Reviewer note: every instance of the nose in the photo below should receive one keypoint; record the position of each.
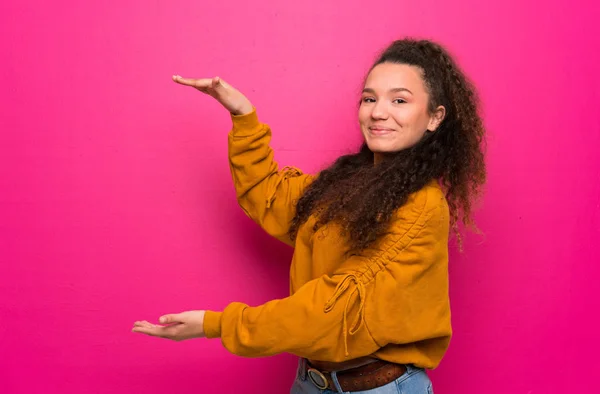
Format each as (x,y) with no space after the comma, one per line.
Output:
(379,110)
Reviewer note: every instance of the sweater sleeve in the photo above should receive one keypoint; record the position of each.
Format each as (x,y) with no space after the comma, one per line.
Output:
(266,193)
(393,293)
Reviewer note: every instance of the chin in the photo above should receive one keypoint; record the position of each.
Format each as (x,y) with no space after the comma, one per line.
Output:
(382,148)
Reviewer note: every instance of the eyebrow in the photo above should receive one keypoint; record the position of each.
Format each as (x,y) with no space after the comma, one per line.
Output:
(393,90)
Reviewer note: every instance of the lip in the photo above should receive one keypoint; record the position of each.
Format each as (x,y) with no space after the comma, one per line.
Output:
(378,130)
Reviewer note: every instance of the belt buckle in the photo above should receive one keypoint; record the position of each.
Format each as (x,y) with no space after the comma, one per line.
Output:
(315,372)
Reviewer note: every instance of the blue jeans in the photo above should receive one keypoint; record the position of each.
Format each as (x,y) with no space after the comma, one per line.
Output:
(413,381)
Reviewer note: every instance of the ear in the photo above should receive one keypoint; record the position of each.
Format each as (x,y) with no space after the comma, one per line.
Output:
(436,118)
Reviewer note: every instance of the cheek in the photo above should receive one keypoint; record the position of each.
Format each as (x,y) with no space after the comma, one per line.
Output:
(410,118)
(401,117)
(363,115)
(422,122)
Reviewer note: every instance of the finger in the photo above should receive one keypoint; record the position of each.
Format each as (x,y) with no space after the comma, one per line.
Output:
(202,83)
(216,83)
(149,329)
(155,331)
(171,318)
(143,324)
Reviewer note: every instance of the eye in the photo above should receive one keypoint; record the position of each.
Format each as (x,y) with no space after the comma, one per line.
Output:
(368,100)
(399,101)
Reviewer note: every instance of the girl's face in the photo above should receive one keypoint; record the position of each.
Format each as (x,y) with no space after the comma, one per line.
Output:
(394,113)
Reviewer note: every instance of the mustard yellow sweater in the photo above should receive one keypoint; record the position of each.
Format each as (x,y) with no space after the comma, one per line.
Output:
(390,302)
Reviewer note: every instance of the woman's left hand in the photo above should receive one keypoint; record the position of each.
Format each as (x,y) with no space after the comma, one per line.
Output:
(178,327)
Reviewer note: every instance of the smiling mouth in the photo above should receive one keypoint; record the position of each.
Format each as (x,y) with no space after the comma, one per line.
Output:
(380,130)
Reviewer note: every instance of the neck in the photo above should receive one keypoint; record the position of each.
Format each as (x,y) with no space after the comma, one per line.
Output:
(377,158)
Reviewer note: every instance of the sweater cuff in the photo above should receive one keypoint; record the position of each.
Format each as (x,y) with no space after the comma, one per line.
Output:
(212,324)
(245,125)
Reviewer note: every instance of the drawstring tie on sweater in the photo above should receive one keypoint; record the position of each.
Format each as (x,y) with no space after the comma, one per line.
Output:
(339,291)
(284,174)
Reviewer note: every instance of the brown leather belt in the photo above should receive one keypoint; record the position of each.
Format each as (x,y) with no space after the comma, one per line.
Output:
(366,377)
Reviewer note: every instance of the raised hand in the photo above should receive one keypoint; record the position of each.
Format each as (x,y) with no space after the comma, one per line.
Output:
(229,97)
(177,326)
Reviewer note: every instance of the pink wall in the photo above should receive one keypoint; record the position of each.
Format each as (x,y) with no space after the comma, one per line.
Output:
(116,202)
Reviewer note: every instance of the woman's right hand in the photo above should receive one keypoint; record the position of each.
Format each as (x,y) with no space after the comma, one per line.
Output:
(229,97)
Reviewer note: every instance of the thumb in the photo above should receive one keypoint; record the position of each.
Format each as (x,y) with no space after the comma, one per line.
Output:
(170,318)
(216,83)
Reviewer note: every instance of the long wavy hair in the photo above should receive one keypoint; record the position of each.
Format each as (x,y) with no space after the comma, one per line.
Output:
(362,198)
